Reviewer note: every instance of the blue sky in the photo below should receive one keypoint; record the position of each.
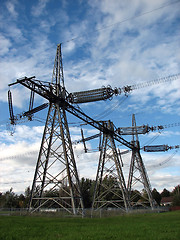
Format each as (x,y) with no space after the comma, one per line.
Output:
(103,43)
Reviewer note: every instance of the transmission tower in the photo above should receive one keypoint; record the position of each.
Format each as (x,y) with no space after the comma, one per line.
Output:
(110,188)
(56,171)
(137,174)
(56,182)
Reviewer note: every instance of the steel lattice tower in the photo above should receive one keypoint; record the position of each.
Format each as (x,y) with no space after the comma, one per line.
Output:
(138,174)
(109,168)
(56,171)
(56,182)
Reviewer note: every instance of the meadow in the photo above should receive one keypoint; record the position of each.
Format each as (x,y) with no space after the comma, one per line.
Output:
(131,226)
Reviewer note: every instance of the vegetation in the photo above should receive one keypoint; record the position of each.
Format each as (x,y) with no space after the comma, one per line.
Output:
(162,226)
(11,200)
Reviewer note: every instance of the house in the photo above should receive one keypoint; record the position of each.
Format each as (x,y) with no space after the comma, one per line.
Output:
(166,201)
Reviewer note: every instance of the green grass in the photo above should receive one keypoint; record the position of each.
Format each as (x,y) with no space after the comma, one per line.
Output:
(141,226)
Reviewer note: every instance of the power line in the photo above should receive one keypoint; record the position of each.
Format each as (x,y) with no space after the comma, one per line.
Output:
(17,182)
(36,151)
(160,131)
(163,162)
(19,155)
(127,89)
(156,81)
(110,109)
(125,20)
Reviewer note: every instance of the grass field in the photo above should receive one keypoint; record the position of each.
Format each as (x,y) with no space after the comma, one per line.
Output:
(137,226)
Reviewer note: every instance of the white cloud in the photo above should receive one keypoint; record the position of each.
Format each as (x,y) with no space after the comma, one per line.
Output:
(5,45)
(15,33)
(11,8)
(124,53)
(19,160)
(164,181)
(23,134)
(17,175)
(164,133)
(39,9)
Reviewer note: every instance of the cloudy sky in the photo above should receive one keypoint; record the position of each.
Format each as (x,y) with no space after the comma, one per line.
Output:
(103,43)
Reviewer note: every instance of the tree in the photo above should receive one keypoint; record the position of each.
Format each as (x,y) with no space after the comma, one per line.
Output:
(165,193)
(176,190)
(157,196)
(21,201)
(109,184)
(11,199)
(176,196)
(135,196)
(27,196)
(2,200)
(144,198)
(87,187)
(176,200)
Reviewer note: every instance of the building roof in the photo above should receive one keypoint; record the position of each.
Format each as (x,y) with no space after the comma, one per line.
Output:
(166,200)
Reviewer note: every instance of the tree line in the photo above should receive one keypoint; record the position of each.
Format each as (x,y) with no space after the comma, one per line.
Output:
(11,200)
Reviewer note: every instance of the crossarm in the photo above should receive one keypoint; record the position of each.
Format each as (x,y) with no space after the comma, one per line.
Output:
(47,92)
(42,89)
(78,113)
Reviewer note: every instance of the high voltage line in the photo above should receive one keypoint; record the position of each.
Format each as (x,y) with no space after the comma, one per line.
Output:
(164,161)
(19,155)
(150,167)
(36,151)
(167,4)
(106,27)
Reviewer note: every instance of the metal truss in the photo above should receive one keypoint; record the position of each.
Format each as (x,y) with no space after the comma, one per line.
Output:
(110,188)
(138,176)
(56,182)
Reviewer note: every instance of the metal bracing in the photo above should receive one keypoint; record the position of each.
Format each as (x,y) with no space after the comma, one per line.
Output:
(110,188)
(12,119)
(50,92)
(138,176)
(56,182)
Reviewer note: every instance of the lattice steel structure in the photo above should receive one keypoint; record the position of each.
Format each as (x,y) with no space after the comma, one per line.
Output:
(56,181)
(110,189)
(138,176)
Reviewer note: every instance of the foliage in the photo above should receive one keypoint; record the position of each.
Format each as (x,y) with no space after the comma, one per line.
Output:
(87,188)
(176,190)
(165,193)
(156,196)
(135,195)
(176,200)
(11,200)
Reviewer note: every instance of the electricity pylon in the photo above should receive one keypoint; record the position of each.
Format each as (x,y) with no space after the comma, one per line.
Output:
(110,188)
(138,175)
(56,182)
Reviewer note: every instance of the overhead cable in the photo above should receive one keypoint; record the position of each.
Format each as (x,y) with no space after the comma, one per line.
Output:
(167,4)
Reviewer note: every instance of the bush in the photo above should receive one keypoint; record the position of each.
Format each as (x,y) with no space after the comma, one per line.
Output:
(176,200)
